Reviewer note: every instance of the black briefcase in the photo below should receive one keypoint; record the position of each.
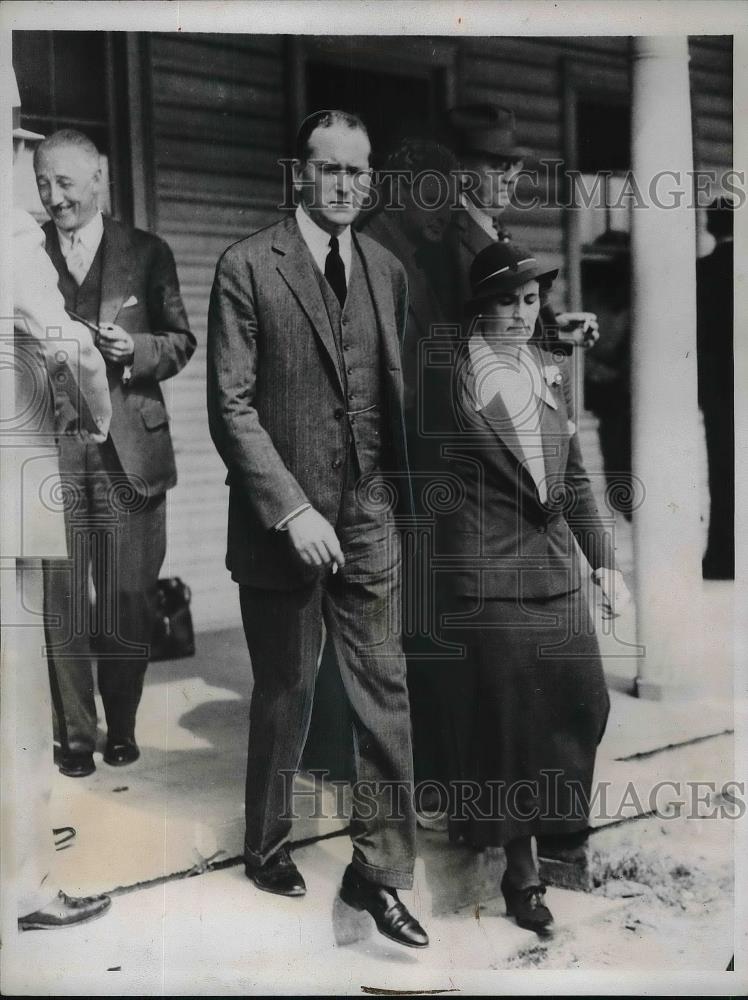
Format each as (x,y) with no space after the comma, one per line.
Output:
(173,634)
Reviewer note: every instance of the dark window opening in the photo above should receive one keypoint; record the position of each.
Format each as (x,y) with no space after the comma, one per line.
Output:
(373,95)
(77,79)
(604,136)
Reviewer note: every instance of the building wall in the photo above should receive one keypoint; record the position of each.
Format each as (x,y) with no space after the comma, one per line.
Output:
(220,112)
(218,121)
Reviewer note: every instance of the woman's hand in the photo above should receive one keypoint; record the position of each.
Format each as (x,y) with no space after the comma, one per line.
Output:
(616,595)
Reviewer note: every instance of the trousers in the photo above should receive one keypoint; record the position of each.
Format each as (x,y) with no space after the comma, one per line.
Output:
(359,606)
(102,602)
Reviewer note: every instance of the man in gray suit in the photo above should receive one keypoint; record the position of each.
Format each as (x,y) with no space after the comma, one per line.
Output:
(305,406)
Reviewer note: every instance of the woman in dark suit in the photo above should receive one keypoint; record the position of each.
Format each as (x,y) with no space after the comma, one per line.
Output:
(531,704)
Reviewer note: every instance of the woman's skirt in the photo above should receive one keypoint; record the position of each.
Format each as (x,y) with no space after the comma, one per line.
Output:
(527,707)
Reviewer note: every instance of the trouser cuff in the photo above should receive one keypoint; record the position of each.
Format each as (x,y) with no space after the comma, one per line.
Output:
(389,877)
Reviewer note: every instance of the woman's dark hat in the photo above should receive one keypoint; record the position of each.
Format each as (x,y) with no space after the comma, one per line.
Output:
(502,267)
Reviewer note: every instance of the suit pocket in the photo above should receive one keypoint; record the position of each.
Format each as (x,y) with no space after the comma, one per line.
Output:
(154,417)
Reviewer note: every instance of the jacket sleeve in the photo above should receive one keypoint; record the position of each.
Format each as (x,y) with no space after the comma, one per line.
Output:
(582,514)
(166,349)
(246,448)
(67,345)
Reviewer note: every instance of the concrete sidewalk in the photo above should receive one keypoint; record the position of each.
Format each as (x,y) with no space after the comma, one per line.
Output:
(218,934)
(178,811)
(182,804)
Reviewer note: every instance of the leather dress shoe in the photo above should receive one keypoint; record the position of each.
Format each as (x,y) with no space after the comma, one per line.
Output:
(279,874)
(76,763)
(65,911)
(121,750)
(391,916)
(527,906)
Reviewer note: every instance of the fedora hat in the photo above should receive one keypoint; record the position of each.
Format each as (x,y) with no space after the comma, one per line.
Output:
(15,100)
(486,128)
(502,267)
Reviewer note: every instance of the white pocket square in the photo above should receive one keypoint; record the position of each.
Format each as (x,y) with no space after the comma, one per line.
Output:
(132,301)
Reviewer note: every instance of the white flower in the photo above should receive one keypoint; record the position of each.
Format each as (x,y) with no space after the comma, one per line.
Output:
(552,375)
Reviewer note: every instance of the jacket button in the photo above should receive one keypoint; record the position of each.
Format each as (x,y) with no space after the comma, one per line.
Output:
(349,371)
(336,463)
(338,414)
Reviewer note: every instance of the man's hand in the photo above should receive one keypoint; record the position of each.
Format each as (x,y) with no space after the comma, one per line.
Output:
(95,436)
(578,328)
(314,540)
(115,343)
(615,593)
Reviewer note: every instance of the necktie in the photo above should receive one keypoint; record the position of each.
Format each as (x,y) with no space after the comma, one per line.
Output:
(335,271)
(75,263)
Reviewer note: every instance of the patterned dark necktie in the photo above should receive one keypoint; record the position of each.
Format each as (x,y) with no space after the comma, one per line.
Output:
(335,271)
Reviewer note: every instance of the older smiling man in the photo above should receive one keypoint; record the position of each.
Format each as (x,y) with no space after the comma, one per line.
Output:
(123,283)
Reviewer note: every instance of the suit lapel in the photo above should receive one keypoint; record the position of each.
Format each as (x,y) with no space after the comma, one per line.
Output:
(66,281)
(117,270)
(296,267)
(496,416)
(379,281)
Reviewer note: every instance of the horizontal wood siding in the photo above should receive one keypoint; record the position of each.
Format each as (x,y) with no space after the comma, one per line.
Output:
(220,120)
(711,96)
(218,129)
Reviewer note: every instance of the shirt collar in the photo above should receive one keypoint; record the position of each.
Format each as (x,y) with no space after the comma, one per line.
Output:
(89,235)
(318,240)
(481,219)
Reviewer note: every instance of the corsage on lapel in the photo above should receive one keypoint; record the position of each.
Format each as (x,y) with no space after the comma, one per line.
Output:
(552,375)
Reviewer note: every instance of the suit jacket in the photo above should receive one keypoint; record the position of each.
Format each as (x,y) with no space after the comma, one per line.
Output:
(714,299)
(140,293)
(424,308)
(276,403)
(30,458)
(427,386)
(510,545)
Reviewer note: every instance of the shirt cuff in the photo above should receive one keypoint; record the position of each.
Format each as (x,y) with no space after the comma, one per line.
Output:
(282,525)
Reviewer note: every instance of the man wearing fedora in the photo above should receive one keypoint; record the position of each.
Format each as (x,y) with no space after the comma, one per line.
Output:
(491,160)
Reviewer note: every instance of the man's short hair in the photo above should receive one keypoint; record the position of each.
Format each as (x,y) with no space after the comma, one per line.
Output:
(324,119)
(68,137)
(719,217)
(418,155)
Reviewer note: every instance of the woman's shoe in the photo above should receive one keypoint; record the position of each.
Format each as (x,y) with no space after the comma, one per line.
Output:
(527,906)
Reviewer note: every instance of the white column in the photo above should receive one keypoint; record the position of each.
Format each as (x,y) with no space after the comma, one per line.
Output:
(667,547)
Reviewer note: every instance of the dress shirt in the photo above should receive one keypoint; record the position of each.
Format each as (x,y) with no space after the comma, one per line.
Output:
(482,219)
(522,390)
(88,238)
(318,242)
